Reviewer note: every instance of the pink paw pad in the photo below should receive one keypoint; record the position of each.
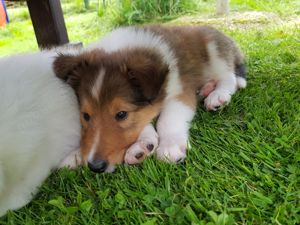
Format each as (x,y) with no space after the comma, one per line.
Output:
(139,151)
(208,88)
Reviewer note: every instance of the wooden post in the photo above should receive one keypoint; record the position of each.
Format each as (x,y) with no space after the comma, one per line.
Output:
(48,22)
(223,7)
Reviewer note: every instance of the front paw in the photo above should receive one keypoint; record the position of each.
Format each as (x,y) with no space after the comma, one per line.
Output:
(142,148)
(216,99)
(172,151)
(209,87)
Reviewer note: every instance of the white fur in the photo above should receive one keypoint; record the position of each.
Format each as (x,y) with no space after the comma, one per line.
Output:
(147,136)
(173,129)
(110,168)
(40,125)
(241,82)
(219,69)
(226,80)
(130,37)
(1,179)
(72,161)
(98,84)
(94,147)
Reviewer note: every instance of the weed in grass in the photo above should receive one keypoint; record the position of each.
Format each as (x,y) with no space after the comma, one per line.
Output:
(139,11)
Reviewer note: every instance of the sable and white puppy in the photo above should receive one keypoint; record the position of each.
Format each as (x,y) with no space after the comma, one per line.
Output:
(134,75)
(39,125)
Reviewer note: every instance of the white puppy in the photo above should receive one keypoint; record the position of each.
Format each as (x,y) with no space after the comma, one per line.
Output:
(39,125)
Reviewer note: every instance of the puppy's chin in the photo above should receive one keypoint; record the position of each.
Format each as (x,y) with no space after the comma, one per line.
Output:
(110,169)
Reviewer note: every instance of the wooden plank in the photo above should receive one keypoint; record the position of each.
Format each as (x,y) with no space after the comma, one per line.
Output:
(48,22)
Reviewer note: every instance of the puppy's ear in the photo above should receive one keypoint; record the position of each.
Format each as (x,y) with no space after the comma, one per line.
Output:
(146,73)
(68,67)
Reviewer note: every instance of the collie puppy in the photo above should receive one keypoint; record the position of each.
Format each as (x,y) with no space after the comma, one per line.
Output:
(136,74)
(40,125)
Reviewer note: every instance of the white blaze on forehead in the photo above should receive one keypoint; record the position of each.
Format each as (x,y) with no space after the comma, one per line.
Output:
(94,147)
(130,37)
(98,84)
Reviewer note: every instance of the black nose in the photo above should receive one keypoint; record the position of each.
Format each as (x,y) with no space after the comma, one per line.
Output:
(98,166)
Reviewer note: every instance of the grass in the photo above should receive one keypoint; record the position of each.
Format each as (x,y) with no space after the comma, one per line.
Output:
(243,164)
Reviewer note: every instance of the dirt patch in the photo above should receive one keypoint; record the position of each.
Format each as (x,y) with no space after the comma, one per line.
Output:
(239,20)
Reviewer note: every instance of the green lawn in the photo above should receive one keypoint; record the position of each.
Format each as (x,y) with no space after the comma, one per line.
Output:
(244,163)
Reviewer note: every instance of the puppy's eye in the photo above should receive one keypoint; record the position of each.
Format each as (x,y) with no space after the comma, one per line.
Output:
(122,115)
(86,117)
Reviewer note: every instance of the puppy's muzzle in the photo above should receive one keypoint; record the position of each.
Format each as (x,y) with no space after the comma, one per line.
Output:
(98,166)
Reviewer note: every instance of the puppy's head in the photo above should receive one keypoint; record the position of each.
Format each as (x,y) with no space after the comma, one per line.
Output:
(119,94)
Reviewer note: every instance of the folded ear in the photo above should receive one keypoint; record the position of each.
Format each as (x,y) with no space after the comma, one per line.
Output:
(67,68)
(146,73)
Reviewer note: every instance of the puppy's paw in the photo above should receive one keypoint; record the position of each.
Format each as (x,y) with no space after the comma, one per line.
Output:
(72,161)
(143,147)
(207,88)
(172,150)
(216,99)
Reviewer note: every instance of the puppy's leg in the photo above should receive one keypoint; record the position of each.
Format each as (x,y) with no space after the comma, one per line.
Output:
(221,95)
(173,128)
(144,146)
(222,73)
(72,161)
(207,88)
